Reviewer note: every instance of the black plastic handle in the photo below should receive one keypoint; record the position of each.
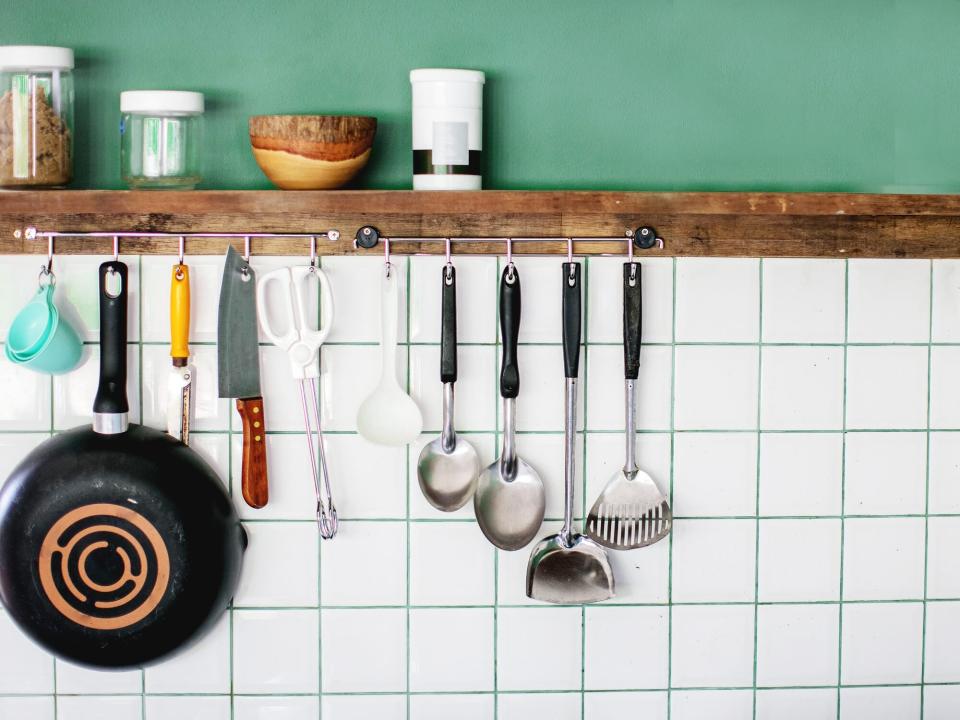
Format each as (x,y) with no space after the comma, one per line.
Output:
(571,319)
(632,320)
(448,326)
(509,331)
(112,390)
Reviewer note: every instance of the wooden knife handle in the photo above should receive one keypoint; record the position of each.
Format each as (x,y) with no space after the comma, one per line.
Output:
(253,471)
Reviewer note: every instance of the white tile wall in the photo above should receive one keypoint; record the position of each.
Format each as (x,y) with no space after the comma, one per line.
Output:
(801,414)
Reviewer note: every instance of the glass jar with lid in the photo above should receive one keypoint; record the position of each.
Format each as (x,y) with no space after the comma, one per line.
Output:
(161,137)
(36,116)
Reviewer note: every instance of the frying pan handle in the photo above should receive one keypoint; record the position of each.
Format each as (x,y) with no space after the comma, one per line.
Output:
(571,319)
(509,331)
(632,321)
(110,408)
(448,326)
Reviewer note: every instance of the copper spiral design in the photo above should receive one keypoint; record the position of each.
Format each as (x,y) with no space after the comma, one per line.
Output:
(104,566)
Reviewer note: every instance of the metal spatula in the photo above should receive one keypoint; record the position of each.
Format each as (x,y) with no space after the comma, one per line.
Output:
(631,512)
(570,568)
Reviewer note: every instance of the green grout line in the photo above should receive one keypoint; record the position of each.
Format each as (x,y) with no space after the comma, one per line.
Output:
(843,473)
(673,449)
(756,497)
(522,691)
(320,551)
(926,497)
(408,481)
(598,607)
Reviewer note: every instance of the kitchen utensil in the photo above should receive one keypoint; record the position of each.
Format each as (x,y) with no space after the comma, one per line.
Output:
(302,344)
(40,338)
(311,152)
(631,512)
(570,568)
(509,501)
(180,391)
(238,355)
(448,466)
(34,323)
(118,544)
(389,416)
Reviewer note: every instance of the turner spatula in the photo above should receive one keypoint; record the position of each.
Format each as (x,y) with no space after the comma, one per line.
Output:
(569,568)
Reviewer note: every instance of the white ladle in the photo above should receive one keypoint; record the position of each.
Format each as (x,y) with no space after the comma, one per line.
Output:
(389,416)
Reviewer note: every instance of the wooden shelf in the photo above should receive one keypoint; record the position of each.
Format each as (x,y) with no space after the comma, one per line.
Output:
(692,224)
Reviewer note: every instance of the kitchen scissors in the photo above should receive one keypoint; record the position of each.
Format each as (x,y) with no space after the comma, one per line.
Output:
(302,343)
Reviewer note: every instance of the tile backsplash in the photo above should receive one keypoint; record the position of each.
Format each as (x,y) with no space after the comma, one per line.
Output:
(802,414)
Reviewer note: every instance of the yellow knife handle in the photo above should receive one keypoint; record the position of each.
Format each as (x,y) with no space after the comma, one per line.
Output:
(180,314)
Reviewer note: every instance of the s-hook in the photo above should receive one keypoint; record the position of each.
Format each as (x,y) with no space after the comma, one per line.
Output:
(180,253)
(46,271)
(448,271)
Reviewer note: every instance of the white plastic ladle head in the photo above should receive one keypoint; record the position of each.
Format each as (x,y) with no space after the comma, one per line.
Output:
(389,416)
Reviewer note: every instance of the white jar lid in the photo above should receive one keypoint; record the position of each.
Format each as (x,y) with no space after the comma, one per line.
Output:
(149,101)
(35,57)
(447,75)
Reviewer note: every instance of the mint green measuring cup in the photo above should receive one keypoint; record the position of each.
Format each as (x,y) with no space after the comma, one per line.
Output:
(32,325)
(40,339)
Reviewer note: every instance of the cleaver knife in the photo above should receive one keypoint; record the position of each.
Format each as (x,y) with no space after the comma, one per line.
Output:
(238,356)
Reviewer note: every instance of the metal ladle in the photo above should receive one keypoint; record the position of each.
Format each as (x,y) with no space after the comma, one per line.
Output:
(449,465)
(509,502)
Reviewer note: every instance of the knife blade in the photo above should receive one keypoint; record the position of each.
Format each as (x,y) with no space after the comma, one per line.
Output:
(180,394)
(238,373)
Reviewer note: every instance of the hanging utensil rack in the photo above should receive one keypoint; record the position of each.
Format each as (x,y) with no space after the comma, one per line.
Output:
(735,224)
(367,237)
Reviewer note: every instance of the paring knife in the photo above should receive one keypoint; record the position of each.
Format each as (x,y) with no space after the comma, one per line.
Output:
(180,390)
(239,371)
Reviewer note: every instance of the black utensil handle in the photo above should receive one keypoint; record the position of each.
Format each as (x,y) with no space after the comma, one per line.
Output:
(448,326)
(571,319)
(632,320)
(112,391)
(509,331)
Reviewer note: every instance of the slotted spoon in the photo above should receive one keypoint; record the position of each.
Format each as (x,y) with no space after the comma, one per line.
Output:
(631,512)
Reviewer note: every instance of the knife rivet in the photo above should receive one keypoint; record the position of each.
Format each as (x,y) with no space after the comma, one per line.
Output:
(256,423)
(256,438)
(256,410)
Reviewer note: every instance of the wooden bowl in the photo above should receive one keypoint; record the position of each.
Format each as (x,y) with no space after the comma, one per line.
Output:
(311,152)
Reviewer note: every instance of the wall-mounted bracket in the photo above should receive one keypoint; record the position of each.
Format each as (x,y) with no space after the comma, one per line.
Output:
(645,237)
(367,237)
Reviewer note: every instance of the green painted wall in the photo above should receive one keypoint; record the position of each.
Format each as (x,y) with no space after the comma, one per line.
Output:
(636,94)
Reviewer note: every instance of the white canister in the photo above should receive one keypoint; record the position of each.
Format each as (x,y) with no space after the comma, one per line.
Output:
(447,128)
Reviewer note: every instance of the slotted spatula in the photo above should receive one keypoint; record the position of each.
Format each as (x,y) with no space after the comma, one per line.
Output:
(631,512)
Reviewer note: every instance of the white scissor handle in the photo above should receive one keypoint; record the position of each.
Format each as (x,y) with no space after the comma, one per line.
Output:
(300,276)
(301,341)
(283,340)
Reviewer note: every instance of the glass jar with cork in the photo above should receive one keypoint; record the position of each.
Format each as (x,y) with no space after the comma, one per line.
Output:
(36,116)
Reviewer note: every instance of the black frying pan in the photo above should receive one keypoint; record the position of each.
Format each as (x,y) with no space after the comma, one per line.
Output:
(118,543)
